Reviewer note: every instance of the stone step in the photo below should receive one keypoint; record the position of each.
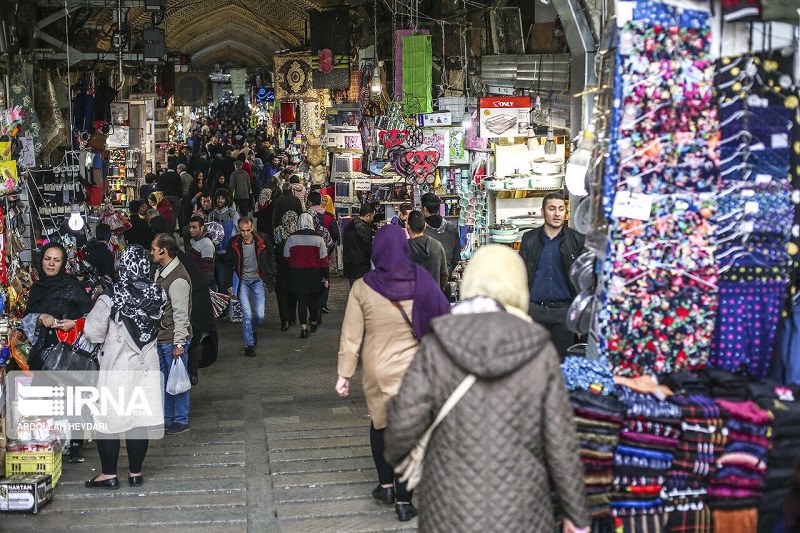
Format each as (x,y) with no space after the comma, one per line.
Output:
(350,431)
(128,498)
(317,443)
(349,524)
(76,489)
(164,472)
(307,479)
(322,465)
(323,492)
(320,453)
(232,518)
(362,506)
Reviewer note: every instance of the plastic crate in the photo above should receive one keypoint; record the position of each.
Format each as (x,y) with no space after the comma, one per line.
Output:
(34,463)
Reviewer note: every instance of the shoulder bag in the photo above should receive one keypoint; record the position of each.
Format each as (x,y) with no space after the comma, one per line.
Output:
(410,469)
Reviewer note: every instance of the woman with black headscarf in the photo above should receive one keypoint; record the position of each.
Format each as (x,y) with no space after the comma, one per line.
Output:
(55,302)
(125,320)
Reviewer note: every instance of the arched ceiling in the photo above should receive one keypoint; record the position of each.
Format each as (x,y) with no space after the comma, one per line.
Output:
(233,32)
(241,32)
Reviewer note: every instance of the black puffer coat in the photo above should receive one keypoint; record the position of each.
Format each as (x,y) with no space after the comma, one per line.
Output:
(487,464)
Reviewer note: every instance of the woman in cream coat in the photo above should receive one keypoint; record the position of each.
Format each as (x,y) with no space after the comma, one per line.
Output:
(125,320)
(388,311)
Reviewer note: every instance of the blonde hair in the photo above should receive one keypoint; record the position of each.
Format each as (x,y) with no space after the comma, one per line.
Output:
(498,272)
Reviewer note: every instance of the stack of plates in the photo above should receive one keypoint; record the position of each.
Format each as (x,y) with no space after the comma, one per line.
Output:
(503,233)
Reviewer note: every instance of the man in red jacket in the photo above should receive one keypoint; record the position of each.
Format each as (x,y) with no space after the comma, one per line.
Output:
(250,270)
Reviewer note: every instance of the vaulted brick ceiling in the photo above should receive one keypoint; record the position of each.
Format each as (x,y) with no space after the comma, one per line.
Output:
(244,32)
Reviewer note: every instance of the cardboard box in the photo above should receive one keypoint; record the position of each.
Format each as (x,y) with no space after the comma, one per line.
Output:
(26,493)
(546,38)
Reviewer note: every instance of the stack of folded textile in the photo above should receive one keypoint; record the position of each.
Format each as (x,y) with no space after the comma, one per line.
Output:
(702,440)
(643,459)
(736,487)
(784,405)
(725,385)
(598,417)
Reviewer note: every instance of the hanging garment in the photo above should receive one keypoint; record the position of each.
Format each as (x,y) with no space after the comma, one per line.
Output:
(786,366)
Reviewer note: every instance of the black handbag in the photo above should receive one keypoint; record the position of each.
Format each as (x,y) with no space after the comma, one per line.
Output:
(63,356)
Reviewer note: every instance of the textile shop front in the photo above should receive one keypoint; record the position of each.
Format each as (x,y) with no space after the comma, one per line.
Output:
(687,394)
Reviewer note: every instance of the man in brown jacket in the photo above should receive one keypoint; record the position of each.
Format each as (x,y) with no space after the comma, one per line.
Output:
(175,332)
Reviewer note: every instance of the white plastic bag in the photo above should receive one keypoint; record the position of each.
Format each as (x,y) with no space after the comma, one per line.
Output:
(178,380)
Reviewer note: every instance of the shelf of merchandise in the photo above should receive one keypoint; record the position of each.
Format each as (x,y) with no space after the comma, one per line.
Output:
(122,183)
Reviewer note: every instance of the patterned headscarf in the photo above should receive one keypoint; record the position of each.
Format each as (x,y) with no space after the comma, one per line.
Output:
(289,226)
(264,198)
(138,302)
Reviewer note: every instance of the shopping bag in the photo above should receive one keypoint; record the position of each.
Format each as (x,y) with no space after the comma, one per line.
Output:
(178,380)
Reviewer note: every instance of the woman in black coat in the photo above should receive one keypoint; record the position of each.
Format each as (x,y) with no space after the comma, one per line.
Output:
(55,302)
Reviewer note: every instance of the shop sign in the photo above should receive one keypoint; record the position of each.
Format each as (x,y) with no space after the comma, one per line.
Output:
(504,116)
(431,120)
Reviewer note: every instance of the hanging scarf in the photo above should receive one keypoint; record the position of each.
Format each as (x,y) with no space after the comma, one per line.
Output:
(396,277)
(288,226)
(137,302)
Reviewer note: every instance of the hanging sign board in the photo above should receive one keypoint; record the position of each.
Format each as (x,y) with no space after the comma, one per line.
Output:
(432,120)
(504,116)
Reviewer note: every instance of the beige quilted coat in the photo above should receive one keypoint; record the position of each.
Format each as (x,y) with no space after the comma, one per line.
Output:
(488,463)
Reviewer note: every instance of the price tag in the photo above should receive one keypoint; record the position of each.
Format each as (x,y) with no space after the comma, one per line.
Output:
(780,140)
(632,205)
(751,208)
(362,185)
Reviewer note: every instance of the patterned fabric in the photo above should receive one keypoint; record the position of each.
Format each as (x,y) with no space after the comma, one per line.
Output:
(688,521)
(288,226)
(138,302)
(581,373)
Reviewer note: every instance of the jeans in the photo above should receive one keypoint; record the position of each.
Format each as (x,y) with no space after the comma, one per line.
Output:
(176,408)
(251,295)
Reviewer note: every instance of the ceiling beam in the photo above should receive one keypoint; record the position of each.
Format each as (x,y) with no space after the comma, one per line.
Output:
(89,3)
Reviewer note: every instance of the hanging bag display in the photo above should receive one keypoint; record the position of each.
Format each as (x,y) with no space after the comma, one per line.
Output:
(410,468)
(97,141)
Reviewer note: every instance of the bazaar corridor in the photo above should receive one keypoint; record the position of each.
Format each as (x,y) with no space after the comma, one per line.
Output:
(271,448)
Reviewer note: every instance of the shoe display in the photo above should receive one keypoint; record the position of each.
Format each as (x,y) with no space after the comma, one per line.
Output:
(176,429)
(111,484)
(194,379)
(405,511)
(135,481)
(384,494)
(313,327)
(250,351)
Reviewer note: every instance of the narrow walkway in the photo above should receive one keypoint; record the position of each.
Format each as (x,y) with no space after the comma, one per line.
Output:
(271,448)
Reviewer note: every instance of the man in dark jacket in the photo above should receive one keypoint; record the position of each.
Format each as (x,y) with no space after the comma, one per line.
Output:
(426,251)
(357,243)
(139,232)
(548,252)
(287,201)
(205,342)
(442,230)
(251,257)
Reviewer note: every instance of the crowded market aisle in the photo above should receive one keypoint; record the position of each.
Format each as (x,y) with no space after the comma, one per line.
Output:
(271,448)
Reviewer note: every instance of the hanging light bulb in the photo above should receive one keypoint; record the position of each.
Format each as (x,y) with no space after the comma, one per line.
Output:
(375,84)
(75,221)
(466,119)
(550,143)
